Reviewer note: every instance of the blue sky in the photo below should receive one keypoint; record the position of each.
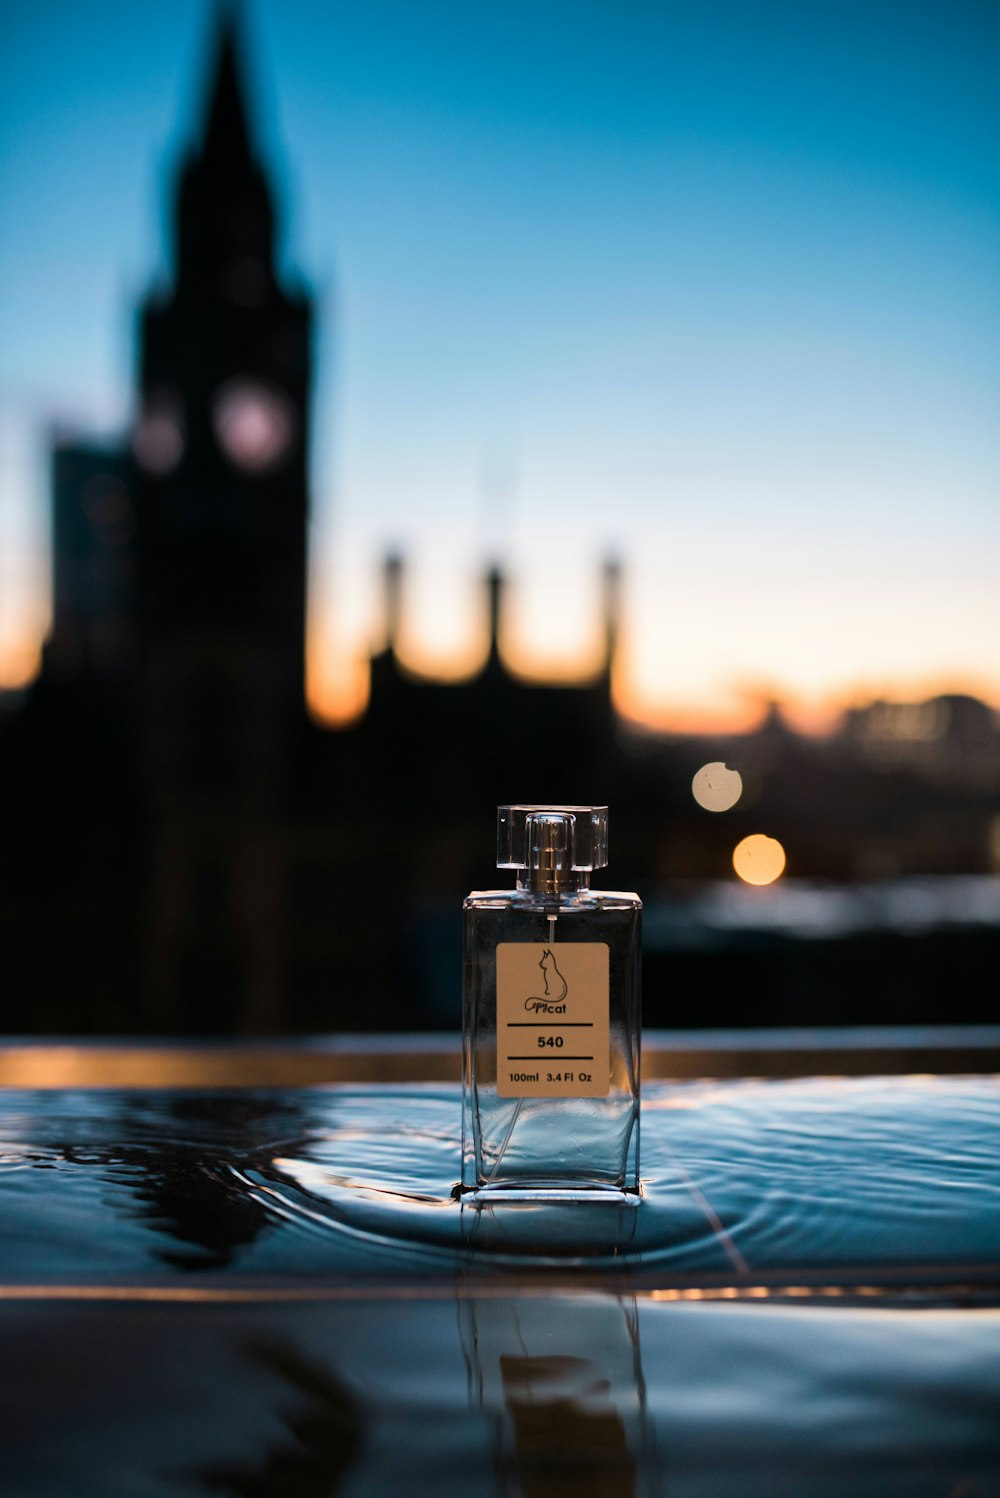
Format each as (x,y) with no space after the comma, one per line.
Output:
(715,287)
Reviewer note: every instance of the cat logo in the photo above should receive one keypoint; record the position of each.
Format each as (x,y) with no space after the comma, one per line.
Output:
(556,988)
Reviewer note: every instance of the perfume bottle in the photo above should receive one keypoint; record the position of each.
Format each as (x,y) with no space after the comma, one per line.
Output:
(551,1019)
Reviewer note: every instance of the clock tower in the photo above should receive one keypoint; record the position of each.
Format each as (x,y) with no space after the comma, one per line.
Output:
(221,498)
(221,437)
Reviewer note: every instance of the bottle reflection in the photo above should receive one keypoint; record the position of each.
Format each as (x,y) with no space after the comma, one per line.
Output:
(562,1379)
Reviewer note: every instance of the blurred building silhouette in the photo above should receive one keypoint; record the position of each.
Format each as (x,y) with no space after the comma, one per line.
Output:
(221,490)
(185,850)
(210,858)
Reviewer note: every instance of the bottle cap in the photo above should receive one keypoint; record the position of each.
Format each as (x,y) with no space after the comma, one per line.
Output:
(552,840)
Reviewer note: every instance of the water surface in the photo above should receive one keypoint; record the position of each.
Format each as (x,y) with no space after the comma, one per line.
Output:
(272,1292)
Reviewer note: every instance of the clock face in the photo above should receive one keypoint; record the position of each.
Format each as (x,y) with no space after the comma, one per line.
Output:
(254,425)
(158,440)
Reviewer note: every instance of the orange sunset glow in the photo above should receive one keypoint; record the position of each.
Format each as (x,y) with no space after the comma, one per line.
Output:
(338,686)
(646,693)
(20,657)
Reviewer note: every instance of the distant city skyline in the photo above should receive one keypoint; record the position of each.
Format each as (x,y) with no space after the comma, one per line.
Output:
(716,293)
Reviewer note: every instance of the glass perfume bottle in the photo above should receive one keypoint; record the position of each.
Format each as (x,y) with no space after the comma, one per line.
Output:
(551,1019)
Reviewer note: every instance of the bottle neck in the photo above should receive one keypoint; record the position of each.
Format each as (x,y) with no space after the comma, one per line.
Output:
(553,881)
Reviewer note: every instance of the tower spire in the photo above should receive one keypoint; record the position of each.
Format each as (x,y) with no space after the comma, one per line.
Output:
(494,594)
(611,589)
(226,131)
(392,575)
(225,218)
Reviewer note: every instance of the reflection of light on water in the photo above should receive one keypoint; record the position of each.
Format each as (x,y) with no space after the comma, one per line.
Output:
(717,788)
(759,859)
(316,1177)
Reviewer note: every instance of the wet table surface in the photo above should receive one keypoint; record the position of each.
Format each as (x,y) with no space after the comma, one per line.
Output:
(258,1292)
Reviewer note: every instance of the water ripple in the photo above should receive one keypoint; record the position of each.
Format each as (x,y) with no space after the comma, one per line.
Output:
(819,1180)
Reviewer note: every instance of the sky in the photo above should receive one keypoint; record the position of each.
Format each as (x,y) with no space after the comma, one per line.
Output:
(715,289)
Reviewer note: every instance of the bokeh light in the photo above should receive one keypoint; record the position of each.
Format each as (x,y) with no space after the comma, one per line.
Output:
(254,425)
(158,442)
(717,788)
(759,859)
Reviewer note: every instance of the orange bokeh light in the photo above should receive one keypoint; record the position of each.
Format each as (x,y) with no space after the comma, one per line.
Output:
(759,859)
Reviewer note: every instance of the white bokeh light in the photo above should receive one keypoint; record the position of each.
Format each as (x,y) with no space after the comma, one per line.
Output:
(254,425)
(717,788)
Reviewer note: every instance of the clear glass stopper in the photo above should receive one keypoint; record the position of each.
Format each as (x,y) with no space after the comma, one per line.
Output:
(556,846)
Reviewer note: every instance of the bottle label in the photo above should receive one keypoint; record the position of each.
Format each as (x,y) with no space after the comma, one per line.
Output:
(553,1019)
